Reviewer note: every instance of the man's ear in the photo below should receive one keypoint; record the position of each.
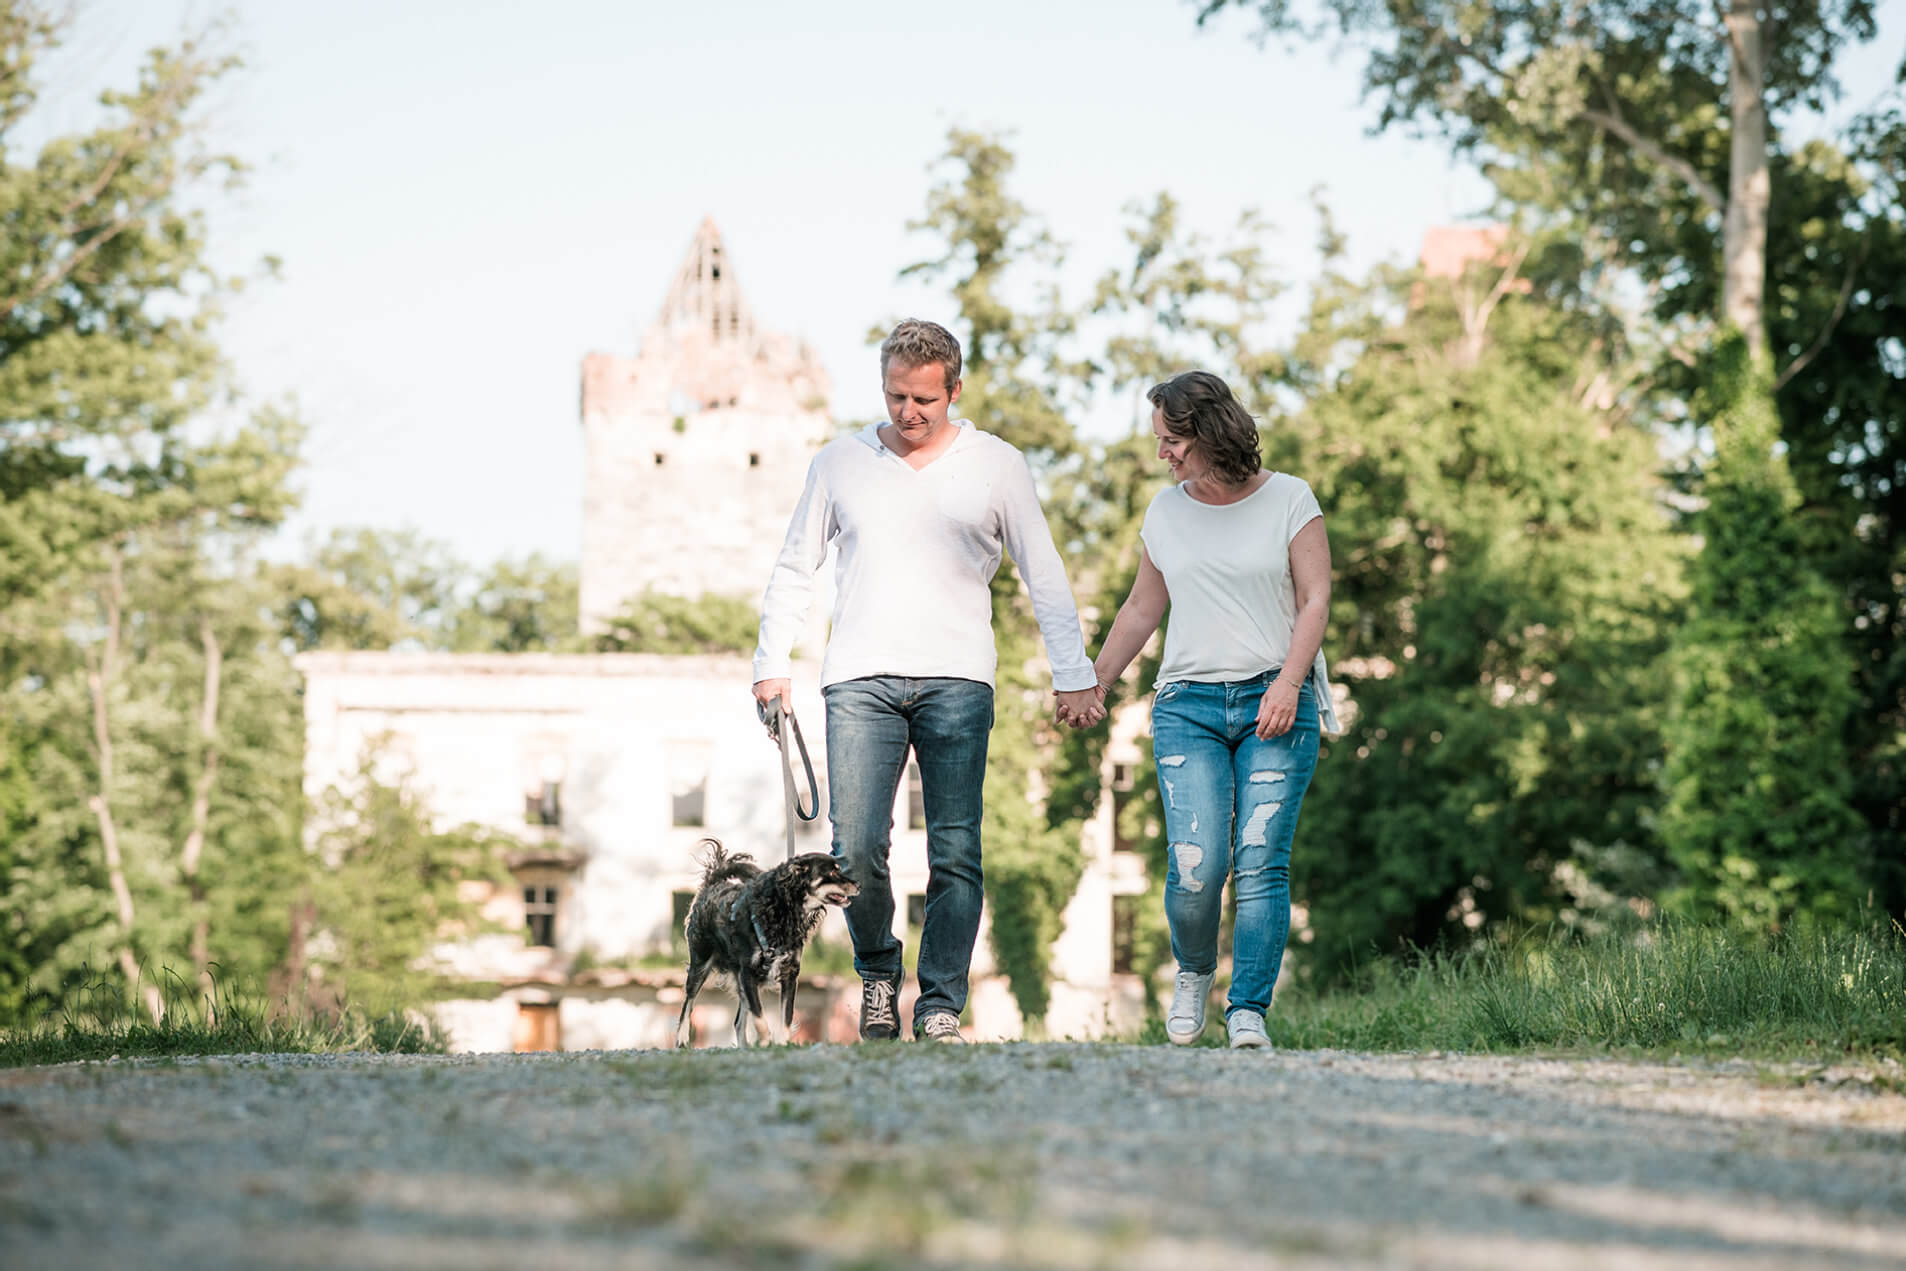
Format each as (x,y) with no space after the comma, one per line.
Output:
(953,394)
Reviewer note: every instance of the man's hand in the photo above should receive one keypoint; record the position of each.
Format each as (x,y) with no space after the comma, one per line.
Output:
(1081,708)
(1278,709)
(766,691)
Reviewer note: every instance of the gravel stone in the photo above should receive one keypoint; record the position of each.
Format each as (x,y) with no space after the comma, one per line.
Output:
(898,1155)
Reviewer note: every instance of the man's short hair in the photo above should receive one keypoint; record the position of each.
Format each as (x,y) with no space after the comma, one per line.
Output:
(916,342)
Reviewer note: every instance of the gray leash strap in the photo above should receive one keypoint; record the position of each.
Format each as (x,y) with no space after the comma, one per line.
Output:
(771,714)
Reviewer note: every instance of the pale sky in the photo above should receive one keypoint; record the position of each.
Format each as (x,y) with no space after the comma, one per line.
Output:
(470,195)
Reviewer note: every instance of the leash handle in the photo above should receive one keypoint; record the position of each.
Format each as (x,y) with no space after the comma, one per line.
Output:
(771,713)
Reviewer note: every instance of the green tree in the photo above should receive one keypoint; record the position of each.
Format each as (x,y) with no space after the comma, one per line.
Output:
(161,728)
(1656,120)
(106,298)
(382,890)
(371,589)
(1758,818)
(1506,577)
(519,607)
(655,622)
(1660,135)
(1837,288)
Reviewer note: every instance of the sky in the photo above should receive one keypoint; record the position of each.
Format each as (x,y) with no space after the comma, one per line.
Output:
(468,196)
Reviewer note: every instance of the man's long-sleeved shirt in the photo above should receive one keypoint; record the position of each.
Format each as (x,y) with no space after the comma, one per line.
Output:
(917,550)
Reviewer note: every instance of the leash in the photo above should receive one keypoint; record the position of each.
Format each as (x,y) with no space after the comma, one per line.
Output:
(771,714)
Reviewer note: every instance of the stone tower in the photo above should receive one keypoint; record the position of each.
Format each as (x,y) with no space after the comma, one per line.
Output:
(694,450)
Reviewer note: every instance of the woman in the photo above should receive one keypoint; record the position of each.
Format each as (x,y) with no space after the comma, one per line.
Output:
(1239,555)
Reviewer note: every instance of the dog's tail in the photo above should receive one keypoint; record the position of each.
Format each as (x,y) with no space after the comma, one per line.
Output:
(718,863)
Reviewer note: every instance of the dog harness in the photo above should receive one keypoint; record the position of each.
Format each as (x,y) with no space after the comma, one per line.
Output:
(760,936)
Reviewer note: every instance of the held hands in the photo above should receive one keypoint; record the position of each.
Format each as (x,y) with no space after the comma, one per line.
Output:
(1082,708)
(1277,711)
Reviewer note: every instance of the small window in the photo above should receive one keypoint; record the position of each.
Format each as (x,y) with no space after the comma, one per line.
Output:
(1124,932)
(678,926)
(754,458)
(544,805)
(539,915)
(688,783)
(1121,776)
(916,911)
(538,1027)
(916,798)
(660,458)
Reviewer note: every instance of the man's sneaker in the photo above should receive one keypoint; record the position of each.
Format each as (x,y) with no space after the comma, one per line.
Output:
(879,1013)
(1246,1030)
(938,1026)
(1184,1023)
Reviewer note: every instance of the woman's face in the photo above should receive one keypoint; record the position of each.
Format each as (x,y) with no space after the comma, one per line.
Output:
(1179,453)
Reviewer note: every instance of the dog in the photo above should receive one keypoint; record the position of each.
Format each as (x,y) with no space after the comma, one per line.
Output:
(748,926)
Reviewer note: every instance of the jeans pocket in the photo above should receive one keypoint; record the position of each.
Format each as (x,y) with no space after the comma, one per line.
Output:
(1167,691)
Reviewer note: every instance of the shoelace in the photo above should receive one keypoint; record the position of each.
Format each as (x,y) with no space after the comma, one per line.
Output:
(877,1001)
(1184,996)
(940,1025)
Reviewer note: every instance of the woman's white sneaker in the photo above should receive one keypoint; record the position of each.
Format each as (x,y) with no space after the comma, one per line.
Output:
(1184,1023)
(1246,1030)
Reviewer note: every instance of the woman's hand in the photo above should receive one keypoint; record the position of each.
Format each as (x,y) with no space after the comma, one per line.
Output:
(1277,711)
(1081,708)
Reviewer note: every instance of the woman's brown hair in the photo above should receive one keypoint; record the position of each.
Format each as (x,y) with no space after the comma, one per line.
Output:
(1200,406)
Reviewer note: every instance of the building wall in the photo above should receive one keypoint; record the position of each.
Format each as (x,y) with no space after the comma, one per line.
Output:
(477,735)
(685,500)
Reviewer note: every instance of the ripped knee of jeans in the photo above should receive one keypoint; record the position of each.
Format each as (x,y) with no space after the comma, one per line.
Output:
(1188,857)
(1257,827)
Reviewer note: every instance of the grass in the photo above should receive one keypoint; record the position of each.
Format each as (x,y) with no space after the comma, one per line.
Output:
(1666,988)
(99,1023)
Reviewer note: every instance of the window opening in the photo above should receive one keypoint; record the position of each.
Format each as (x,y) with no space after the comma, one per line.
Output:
(539,915)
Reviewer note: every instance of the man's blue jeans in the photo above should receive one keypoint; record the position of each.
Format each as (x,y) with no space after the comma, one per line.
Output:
(1231,803)
(871,724)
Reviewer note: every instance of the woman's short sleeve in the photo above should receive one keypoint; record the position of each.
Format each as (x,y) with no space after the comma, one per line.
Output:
(1303,509)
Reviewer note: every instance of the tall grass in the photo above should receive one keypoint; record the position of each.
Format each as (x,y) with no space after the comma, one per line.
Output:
(1667,987)
(100,1021)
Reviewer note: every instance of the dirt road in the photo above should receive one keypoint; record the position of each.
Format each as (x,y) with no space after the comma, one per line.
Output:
(1063,1155)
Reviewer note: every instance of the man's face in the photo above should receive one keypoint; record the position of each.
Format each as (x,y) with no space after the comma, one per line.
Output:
(918,400)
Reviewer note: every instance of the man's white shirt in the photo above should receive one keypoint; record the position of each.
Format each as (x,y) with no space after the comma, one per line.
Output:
(917,550)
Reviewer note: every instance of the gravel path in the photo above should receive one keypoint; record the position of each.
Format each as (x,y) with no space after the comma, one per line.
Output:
(1061,1155)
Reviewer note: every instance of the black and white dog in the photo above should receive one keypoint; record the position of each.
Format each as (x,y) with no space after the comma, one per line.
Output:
(748,926)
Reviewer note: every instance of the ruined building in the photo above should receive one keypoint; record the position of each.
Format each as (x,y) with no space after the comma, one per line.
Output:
(696,447)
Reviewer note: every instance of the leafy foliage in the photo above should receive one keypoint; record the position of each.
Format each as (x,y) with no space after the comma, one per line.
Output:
(1506,578)
(655,622)
(1758,818)
(384,888)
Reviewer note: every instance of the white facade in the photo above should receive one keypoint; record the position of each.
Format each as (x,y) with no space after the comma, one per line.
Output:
(618,749)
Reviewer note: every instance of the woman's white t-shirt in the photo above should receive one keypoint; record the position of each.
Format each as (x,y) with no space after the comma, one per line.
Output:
(1228,570)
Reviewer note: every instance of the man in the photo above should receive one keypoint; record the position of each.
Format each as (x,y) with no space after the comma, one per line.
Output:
(919,509)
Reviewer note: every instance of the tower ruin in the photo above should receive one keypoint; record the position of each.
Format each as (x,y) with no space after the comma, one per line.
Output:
(695,449)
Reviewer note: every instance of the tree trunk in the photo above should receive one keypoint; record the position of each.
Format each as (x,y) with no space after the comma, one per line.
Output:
(1749,183)
(99,678)
(201,812)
